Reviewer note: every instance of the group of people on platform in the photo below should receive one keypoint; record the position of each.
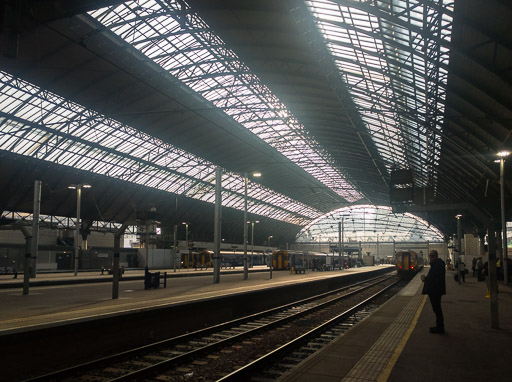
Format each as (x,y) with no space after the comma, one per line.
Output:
(435,281)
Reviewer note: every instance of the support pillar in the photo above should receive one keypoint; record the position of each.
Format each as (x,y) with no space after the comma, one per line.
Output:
(217,225)
(26,260)
(246,271)
(492,280)
(504,257)
(35,228)
(175,249)
(115,264)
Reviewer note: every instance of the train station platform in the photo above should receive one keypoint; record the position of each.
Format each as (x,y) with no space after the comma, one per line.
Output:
(103,276)
(394,343)
(61,298)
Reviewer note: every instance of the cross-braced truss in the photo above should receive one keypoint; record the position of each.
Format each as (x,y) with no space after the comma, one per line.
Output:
(169,34)
(43,125)
(393,56)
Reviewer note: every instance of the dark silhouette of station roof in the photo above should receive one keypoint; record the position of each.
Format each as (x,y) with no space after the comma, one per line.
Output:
(325,98)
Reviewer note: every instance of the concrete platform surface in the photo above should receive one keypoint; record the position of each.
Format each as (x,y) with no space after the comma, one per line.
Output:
(394,344)
(52,305)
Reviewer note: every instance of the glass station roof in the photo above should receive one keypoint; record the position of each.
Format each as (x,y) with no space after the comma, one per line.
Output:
(393,55)
(42,125)
(171,35)
(368,223)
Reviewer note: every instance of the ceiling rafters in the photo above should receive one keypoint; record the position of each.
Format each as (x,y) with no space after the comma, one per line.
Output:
(348,23)
(319,165)
(61,113)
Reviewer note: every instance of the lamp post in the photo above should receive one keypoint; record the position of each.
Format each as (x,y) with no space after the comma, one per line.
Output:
(459,246)
(252,222)
(502,155)
(217,225)
(78,188)
(186,241)
(271,256)
(246,181)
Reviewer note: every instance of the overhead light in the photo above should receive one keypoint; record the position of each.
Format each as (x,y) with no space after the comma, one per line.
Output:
(503,154)
(458,216)
(256,174)
(75,186)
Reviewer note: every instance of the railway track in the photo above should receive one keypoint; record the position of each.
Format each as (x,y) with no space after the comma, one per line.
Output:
(236,349)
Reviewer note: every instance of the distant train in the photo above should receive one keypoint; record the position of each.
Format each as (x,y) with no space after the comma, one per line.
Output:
(408,263)
(228,259)
(298,260)
(281,260)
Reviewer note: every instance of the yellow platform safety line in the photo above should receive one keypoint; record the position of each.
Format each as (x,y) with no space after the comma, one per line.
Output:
(384,375)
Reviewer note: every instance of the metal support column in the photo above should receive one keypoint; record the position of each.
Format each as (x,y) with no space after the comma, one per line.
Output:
(252,244)
(35,228)
(115,264)
(77,228)
(174,249)
(246,271)
(459,247)
(339,245)
(492,280)
(217,225)
(147,246)
(271,256)
(26,262)
(343,240)
(504,262)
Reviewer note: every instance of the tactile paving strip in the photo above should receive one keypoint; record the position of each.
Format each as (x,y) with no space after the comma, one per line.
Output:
(374,365)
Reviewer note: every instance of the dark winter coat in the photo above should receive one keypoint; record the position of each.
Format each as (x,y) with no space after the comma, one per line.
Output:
(435,282)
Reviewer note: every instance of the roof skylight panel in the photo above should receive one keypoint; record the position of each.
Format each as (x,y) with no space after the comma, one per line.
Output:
(82,155)
(210,72)
(362,20)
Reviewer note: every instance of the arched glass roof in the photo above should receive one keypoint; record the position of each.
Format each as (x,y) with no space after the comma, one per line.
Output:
(172,36)
(393,55)
(41,124)
(368,223)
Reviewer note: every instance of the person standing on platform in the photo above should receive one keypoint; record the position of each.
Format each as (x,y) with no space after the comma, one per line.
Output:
(435,286)
(479,269)
(461,270)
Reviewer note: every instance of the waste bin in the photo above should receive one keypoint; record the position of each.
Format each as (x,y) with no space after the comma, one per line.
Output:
(151,280)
